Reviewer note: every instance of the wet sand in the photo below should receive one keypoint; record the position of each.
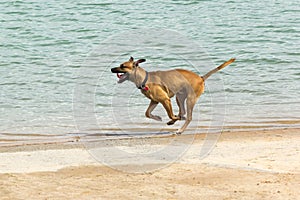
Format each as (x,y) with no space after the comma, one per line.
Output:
(261,164)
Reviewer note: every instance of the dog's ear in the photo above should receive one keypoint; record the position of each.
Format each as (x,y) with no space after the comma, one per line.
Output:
(131,59)
(139,61)
(136,63)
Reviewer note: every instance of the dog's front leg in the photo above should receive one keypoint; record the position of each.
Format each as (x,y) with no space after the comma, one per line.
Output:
(180,102)
(151,107)
(167,105)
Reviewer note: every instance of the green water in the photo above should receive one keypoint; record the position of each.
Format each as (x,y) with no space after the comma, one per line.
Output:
(44,45)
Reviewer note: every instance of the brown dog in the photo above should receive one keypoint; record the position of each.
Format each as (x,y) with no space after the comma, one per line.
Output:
(160,86)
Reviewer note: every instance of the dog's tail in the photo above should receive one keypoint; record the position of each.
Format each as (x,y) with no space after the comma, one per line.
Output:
(218,68)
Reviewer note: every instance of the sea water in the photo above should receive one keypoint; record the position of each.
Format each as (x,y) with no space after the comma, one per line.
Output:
(55,60)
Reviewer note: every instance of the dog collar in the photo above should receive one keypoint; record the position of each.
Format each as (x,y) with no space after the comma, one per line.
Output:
(143,85)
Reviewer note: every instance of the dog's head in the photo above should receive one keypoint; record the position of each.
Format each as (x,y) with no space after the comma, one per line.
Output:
(126,69)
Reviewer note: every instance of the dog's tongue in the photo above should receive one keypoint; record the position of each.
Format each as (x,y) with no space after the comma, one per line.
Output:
(122,77)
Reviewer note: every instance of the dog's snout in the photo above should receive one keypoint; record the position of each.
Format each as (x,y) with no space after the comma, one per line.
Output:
(113,70)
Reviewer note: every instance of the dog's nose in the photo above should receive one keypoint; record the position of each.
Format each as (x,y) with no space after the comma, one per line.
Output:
(112,69)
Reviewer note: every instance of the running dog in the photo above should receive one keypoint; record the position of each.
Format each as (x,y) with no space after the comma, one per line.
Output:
(160,86)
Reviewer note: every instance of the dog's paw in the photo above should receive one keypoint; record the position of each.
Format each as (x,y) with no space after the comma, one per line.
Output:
(157,118)
(178,132)
(171,122)
(181,117)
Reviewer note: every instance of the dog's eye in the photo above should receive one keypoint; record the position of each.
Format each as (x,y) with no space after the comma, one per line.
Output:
(122,66)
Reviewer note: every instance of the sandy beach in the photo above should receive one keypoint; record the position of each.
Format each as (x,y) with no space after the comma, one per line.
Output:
(257,164)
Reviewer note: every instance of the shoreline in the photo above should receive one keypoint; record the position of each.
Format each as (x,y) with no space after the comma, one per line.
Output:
(75,141)
(8,139)
(193,143)
(261,164)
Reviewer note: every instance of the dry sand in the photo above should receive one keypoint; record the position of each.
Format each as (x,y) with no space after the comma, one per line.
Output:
(243,165)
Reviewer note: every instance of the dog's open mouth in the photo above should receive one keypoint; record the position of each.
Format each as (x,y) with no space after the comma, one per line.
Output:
(122,77)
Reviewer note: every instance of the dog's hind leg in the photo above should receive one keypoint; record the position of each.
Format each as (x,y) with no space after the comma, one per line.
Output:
(151,107)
